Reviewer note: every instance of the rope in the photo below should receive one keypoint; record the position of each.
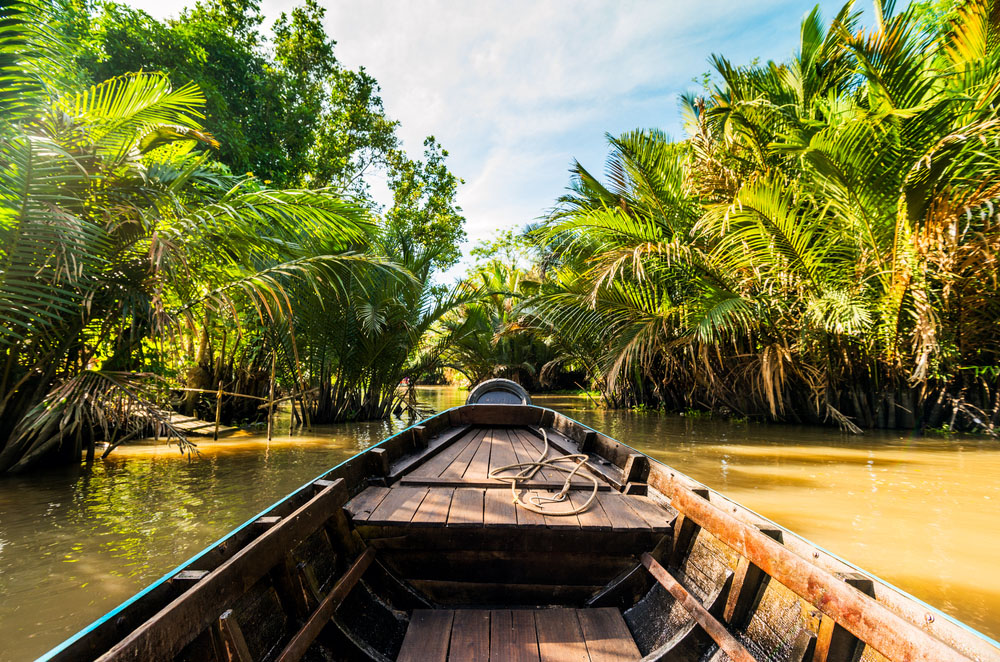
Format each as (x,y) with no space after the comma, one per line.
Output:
(528,471)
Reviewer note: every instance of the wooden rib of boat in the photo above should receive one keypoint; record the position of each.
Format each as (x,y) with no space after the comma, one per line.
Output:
(412,550)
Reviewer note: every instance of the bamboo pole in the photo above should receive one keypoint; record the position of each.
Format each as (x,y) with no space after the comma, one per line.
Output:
(287,397)
(229,393)
(270,400)
(218,412)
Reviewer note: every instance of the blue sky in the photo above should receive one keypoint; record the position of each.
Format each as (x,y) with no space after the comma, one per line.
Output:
(515,90)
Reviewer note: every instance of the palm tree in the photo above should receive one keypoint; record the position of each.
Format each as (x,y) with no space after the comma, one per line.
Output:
(119,236)
(355,365)
(819,247)
(485,338)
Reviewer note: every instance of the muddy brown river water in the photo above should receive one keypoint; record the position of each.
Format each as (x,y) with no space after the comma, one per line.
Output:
(920,513)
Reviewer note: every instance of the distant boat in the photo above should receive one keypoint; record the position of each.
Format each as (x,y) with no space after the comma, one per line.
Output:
(415,550)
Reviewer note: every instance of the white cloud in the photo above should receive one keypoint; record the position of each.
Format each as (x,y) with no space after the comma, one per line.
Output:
(514,90)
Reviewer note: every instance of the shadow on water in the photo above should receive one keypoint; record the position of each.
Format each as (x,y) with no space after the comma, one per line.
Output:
(920,513)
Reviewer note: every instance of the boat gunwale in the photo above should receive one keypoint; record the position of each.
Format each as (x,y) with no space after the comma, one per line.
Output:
(696,484)
(66,643)
(689,482)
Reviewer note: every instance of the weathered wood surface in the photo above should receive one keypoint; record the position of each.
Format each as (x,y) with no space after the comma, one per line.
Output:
(488,483)
(304,638)
(578,567)
(176,625)
(518,635)
(469,507)
(665,480)
(468,460)
(859,614)
(726,641)
(428,636)
(195,426)
(908,630)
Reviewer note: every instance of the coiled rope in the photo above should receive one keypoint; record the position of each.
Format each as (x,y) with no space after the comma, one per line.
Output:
(527,471)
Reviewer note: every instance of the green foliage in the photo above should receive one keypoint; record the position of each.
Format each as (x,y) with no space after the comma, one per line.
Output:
(285,109)
(485,337)
(119,238)
(424,206)
(821,247)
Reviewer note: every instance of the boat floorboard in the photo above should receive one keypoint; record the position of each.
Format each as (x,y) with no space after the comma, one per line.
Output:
(453,489)
(472,507)
(472,457)
(518,635)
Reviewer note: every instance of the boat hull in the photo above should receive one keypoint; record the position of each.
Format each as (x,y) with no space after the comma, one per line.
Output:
(416,541)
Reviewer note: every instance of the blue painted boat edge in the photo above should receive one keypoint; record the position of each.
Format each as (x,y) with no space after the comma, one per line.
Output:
(51,653)
(937,612)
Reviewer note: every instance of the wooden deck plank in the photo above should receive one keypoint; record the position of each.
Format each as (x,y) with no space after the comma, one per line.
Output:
(535,447)
(658,517)
(560,638)
(196,426)
(435,506)
(526,453)
(607,637)
(427,636)
(532,451)
(438,444)
(498,508)
(592,518)
(458,465)
(520,453)
(362,506)
(512,636)
(466,507)
(527,517)
(558,521)
(399,505)
(605,472)
(503,452)
(479,466)
(470,636)
(621,516)
(437,481)
(435,465)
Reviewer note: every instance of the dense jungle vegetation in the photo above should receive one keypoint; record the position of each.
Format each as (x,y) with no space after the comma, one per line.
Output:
(821,247)
(186,207)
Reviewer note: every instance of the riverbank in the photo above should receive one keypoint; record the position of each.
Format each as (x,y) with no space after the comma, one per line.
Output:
(913,511)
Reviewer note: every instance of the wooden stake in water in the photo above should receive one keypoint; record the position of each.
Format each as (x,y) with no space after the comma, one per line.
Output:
(218,412)
(270,400)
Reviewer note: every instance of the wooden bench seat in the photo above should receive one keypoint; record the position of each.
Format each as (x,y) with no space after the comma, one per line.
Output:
(518,635)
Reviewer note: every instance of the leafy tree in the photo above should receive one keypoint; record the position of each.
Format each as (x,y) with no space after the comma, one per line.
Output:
(117,237)
(424,207)
(285,110)
(296,117)
(339,130)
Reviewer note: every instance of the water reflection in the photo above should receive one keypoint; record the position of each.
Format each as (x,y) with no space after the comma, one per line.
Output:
(920,513)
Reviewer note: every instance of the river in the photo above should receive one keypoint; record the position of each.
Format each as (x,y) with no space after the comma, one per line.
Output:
(921,513)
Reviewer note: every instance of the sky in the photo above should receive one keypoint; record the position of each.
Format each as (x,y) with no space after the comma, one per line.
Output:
(516,90)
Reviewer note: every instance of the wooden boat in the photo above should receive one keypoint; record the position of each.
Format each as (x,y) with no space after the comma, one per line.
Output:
(414,550)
